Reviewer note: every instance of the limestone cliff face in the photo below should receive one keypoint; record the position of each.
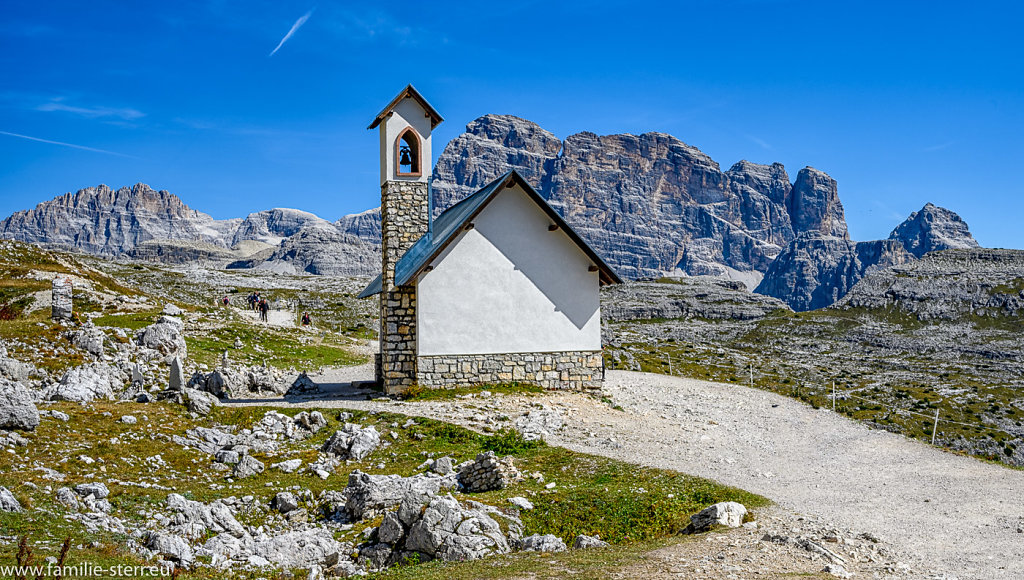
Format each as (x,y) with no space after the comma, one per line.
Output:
(365,225)
(103,221)
(322,250)
(815,271)
(648,203)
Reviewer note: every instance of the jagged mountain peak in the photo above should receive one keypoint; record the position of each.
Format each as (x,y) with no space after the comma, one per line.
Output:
(931,229)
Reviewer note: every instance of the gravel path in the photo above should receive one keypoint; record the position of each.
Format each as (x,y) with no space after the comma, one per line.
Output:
(957,515)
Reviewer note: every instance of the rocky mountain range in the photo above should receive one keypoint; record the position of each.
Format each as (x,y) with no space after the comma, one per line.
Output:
(815,271)
(650,204)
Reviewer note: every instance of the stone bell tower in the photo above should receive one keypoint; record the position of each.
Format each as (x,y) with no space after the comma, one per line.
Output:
(405,166)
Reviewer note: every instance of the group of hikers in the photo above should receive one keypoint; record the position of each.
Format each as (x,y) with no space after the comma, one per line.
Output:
(260,305)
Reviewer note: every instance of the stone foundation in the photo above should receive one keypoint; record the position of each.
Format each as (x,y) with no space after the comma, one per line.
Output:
(576,370)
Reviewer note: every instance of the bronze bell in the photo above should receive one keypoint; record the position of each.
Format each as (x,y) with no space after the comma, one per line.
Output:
(406,158)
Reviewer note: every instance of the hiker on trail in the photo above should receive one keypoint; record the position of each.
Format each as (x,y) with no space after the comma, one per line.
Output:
(306,320)
(225,302)
(264,308)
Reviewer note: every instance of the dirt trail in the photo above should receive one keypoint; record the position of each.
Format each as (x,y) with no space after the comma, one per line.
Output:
(274,317)
(960,516)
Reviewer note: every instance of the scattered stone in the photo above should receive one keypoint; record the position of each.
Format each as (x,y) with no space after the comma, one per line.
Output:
(58,415)
(68,498)
(837,571)
(488,473)
(96,489)
(446,530)
(8,503)
(443,466)
(88,382)
(247,467)
(582,542)
(537,424)
(17,409)
(238,343)
(172,310)
(352,442)
(289,466)
(543,543)
(195,519)
(227,456)
(521,503)
(285,502)
(727,513)
(174,547)
(129,420)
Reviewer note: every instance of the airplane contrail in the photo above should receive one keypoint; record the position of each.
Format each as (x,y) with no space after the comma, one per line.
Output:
(298,24)
(62,144)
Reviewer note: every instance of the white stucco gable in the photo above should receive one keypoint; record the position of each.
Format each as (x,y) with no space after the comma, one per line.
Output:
(509,285)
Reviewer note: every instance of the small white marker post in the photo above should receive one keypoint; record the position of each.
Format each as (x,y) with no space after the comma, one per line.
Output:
(833,396)
(751,375)
(935,427)
(669,357)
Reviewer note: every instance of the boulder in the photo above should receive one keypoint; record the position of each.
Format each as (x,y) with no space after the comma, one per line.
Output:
(96,489)
(247,467)
(199,402)
(369,495)
(447,530)
(15,370)
(312,547)
(172,310)
(88,382)
(289,466)
(89,338)
(170,546)
(17,409)
(352,442)
(8,503)
(521,503)
(166,335)
(543,543)
(583,542)
(193,519)
(727,513)
(285,502)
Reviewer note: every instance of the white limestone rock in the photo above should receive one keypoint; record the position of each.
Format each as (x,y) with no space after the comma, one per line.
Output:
(17,408)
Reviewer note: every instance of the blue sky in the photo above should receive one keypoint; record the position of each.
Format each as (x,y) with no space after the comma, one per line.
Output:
(901,102)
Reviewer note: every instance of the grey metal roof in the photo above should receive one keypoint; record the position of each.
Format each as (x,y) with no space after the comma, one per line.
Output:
(447,226)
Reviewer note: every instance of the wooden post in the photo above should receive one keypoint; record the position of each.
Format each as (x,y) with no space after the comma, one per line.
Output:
(669,357)
(833,396)
(751,375)
(935,427)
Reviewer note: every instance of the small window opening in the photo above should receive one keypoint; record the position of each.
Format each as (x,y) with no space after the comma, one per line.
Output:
(408,153)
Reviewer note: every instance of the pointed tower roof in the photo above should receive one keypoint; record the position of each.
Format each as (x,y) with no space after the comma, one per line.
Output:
(411,92)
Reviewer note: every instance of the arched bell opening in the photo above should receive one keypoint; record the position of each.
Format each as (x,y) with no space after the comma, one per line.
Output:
(407,154)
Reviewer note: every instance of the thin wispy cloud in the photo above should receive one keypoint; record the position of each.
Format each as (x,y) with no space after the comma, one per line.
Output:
(62,144)
(939,147)
(298,24)
(92,112)
(761,142)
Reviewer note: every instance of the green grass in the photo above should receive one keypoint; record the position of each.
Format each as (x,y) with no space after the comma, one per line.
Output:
(620,502)
(279,347)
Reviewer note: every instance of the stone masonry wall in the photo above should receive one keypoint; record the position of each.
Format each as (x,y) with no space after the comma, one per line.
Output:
(577,370)
(404,219)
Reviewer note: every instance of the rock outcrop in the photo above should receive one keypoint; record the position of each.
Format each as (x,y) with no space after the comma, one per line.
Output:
(694,297)
(948,285)
(815,271)
(17,409)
